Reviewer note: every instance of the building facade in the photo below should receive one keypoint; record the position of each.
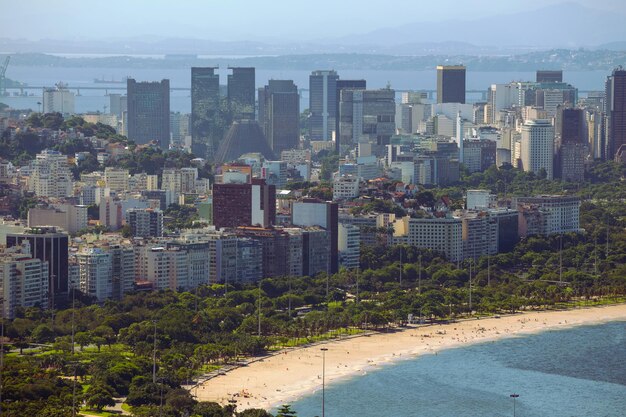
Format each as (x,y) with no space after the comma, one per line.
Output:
(149,112)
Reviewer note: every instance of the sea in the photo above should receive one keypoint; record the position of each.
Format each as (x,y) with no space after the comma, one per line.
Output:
(91,100)
(580,371)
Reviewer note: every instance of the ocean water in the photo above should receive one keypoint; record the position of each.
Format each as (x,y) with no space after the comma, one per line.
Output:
(180,101)
(575,372)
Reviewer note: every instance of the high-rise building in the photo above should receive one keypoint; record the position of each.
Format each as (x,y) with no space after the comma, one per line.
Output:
(58,100)
(118,105)
(349,245)
(558,214)
(615,109)
(145,222)
(312,212)
(23,280)
(571,144)
(342,85)
(51,247)
(95,273)
(322,104)
(205,103)
(241,89)
(479,154)
(51,175)
(450,84)
(367,116)
(116,178)
(279,114)
(537,146)
(149,112)
(549,76)
(244,204)
(443,235)
(68,217)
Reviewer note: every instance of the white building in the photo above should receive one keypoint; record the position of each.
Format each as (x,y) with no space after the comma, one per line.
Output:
(95,273)
(537,146)
(345,187)
(560,214)
(479,199)
(444,235)
(116,178)
(51,176)
(58,100)
(68,217)
(349,245)
(23,280)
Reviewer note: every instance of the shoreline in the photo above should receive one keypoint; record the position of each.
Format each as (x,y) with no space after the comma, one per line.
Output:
(290,374)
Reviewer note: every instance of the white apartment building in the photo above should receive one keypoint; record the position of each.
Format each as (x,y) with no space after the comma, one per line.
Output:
(116,178)
(95,273)
(23,280)
(51,176)
(537,146)
(58,100)
(349,245)
(68,217)
(444,235)
(562,213)
(345,187)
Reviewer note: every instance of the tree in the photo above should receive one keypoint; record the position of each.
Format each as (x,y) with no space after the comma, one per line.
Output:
(43,334)
(83,339)
(286,411)
(99,395)
(254,412)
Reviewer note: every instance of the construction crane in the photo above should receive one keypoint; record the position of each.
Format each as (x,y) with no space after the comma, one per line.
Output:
(3,70)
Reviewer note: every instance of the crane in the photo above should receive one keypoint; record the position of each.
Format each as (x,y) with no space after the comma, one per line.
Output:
(3,70)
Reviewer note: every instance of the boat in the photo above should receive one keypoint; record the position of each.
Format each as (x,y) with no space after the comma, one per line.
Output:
(111,81)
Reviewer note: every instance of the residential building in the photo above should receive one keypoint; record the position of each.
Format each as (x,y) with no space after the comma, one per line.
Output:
(24,280)
(95,273)
(346,187)
(548,214)
(149,112)
(145,222)
(58,100)
(51,175)
(440,234)
(68,217)
(349,245)
(111,215)
(324,214)
(116,178)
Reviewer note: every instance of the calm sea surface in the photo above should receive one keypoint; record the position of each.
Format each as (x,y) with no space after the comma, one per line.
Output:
(575,372)
(95,100)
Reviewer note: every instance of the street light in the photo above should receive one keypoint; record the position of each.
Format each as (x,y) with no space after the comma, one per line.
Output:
(514,396)
(323,378)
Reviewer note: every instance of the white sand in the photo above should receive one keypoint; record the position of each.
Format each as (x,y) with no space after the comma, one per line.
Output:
(286,376)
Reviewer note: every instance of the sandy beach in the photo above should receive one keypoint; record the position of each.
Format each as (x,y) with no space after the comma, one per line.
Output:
(284,377)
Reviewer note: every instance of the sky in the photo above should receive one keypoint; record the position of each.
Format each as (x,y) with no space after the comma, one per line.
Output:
(228,20)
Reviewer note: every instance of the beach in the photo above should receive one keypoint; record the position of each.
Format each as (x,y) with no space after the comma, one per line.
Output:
(288,375)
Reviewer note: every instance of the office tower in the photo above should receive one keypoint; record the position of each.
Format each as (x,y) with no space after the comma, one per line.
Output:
(571,144)
(322,104)
(149,112)
(58,100)
(537,146)
(275,173)
(145,222)
(342,85)
(549,76)
(205,106)
(367,116)
(23,280)
(47,245)
(244,204)
(312,212)
(51,175)
(450,84)
(615,109)
(244,136)
(478,154)
(279,114)
(241,89)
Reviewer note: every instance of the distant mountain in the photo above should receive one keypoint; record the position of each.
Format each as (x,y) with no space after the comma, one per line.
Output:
(567,24)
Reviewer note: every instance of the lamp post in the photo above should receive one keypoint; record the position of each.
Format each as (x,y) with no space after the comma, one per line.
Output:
(154,354)
(323,379)
(514,396)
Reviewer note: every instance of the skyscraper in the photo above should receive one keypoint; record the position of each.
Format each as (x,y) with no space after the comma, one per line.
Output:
(313,212)
(549,76)
(241,89)
(322,104)
(450,84)
(341,85)
(205,102)
(538,146)
(571,144)
(279,114)
(244,204)
(615,108)
(149,112)
(367,116)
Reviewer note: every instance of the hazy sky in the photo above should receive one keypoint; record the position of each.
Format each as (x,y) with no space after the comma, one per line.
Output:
(243,19)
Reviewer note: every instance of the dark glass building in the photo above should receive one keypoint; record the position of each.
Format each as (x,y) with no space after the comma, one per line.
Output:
(322,104)
(549,76)
(50,246)
(237,205)
(241,89)
(341,85)
(450,84)
(615,108)
(279,114)
(205,102)
(149,112)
